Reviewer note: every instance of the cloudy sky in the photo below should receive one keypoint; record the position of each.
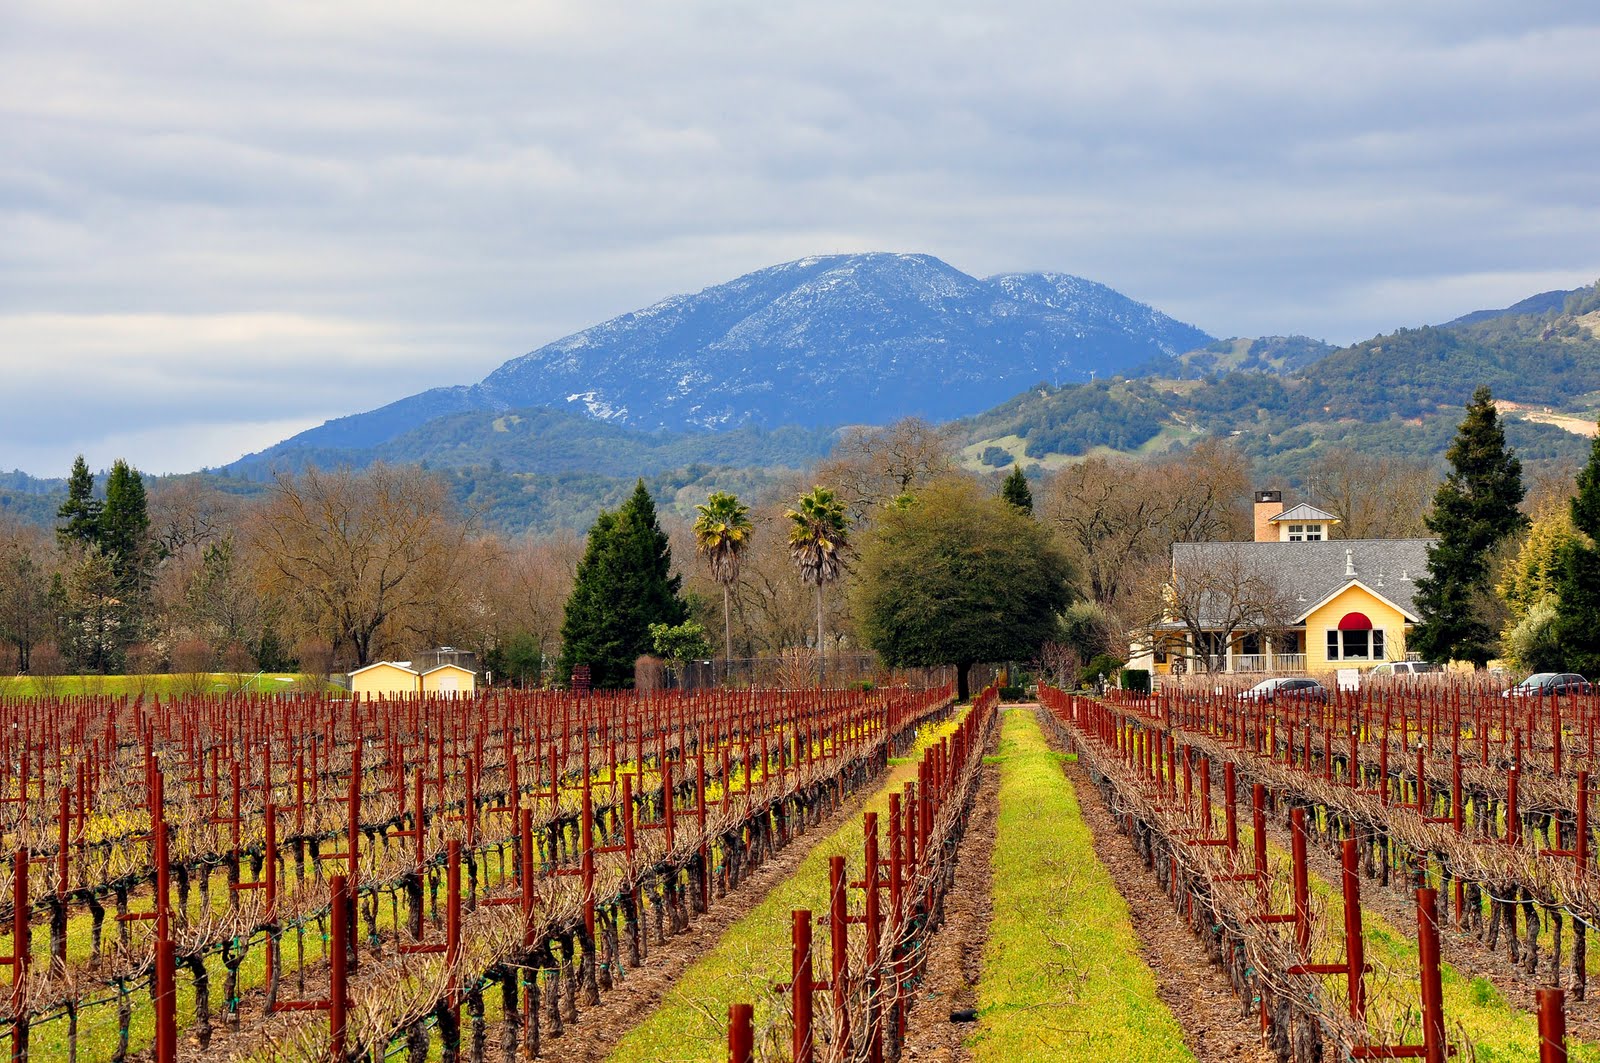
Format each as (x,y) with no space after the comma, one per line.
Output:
(221,223)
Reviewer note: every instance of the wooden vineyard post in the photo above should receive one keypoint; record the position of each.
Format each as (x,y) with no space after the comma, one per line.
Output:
(18,960)
(166,995)
(1354,967)
(801,987)
(741,1035)
(1432,1049)
(1552,1026)
(268,884)
(839,939)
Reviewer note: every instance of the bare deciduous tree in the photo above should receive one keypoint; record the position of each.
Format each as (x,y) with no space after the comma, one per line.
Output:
(872,466)
(1220,593)
(361,556)
(1373,497)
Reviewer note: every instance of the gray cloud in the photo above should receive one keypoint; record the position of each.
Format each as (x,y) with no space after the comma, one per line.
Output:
(262,216)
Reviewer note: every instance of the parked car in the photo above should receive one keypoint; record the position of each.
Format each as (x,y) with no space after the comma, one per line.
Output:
(1402,669)
(1286,688)
(1550,684)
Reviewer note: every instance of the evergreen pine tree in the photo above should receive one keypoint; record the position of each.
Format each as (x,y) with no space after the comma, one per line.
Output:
(1578,586)
(81,510)
(1015,490)
(125,525)
(624,584)
(1474,511)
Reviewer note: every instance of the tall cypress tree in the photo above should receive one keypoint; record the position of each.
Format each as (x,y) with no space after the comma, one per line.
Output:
(1474,511)
(624,584)
(1578,587)
(81,510)
(125,524)
(1015,490)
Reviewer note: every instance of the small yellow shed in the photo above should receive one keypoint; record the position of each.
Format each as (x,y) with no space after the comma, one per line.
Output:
(449,679)
(385,679)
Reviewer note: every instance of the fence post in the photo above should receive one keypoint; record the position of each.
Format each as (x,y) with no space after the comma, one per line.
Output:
(1552,1026)
(1432,991)
(801,986)
(839,938)
(741,1036)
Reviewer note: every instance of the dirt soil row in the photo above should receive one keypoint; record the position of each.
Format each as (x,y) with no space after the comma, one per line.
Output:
(955,960)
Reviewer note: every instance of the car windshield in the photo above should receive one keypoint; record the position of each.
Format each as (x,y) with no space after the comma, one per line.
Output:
(1267,685)
(1538,679)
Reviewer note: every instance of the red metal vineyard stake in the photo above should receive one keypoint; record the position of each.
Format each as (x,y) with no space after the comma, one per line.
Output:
(741,1035)
(268,883)
(1354,967)
(338,1000)
(1552,1026)
(18,960)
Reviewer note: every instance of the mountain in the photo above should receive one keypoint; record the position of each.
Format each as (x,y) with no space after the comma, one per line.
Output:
(550,441)
(819,342)
(1542,303)
(1399,394)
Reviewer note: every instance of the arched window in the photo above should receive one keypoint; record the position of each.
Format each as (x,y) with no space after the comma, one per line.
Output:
(1355,639)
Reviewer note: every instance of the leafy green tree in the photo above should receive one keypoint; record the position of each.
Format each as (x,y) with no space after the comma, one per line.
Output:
(623,585)
(960,577)
(81,510)
(721,532)
(817,542)
(678,643)
(1015,490)
(1534,576)
(1578,590)
(1474,512)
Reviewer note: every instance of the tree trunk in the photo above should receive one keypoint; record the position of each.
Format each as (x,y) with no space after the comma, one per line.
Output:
(962,690)
(727,639)
(822,653)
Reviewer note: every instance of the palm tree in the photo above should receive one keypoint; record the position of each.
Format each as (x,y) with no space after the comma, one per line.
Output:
(816,542)
(721,532)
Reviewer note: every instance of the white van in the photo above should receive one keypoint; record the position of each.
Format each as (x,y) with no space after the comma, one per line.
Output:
(1401,671)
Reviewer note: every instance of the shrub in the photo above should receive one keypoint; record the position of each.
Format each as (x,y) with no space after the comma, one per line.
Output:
(1136,680)
(1102,664)
(1013,693)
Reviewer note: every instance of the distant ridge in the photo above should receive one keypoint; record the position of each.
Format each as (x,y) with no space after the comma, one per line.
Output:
(816,342)
(1542,303)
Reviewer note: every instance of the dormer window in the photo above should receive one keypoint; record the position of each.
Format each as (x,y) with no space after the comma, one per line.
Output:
(1303,524)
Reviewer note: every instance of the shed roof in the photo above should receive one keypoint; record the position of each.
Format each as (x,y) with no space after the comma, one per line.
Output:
(404,666)
(452,667)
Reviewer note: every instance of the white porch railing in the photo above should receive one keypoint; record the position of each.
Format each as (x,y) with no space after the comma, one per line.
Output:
(1269,662)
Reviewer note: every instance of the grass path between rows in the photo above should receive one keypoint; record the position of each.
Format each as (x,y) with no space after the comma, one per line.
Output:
(1500,1032)
(691,1023)
(1062,975)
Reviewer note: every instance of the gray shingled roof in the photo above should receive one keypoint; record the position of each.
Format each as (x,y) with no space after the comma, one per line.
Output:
(1310,572)
(1303,512)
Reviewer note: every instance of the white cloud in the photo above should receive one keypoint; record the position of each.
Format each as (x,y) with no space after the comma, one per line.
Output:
(297,210)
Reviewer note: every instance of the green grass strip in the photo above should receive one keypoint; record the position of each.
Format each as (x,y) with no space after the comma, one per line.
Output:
(691,1022)
(1062,977)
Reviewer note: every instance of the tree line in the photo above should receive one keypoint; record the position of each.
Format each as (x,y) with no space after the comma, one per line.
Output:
(889,545)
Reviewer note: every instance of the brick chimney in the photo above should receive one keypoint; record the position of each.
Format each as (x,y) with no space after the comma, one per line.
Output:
(1268,505)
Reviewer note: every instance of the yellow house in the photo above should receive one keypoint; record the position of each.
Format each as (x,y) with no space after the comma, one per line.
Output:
(1293,600)
(385,679)
(449,679)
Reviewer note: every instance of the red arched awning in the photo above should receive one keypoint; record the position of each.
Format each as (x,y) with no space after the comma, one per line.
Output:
(1355,622)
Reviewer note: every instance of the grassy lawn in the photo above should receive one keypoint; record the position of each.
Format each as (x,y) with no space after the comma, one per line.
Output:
(1062,977)
(691,1022)
(165,685)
